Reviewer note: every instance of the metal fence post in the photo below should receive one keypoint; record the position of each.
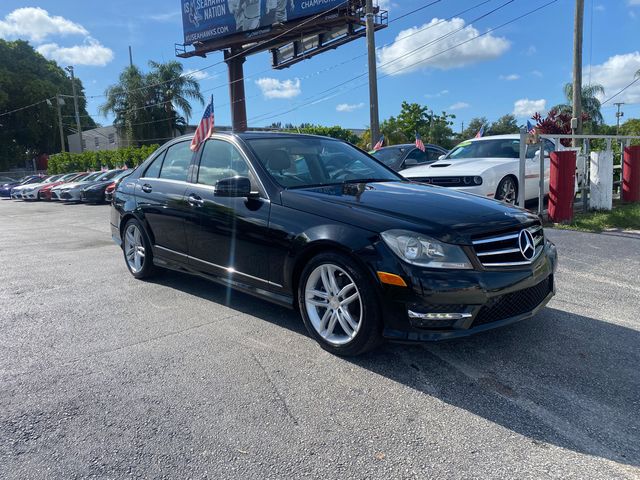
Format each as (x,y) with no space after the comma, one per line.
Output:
(541,179)
(585,180)
(522,171)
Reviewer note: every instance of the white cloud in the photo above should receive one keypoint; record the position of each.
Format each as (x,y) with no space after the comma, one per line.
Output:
(200,74)
(459,106)
(526,108)
(274,88)
(348,107)
(599,8)
(616,73)
(537,73)
(434,37)
(166,17)
(35,24)
(510,78)
(634,2)
(436,95)
(532,50)
(91,53)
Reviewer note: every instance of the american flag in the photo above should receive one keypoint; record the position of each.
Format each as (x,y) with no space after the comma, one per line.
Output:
(205,128)
(380,143)
(480,132)
(530,128)
(419,142)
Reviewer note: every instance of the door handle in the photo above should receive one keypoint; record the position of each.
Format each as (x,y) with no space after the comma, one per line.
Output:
(195,201)
(146,188)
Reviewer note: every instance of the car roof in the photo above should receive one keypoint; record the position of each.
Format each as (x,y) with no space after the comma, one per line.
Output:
(412,145)
(252,135)
(510,136)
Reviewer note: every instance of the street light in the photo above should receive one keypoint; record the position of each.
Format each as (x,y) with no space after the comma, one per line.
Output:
(75,105)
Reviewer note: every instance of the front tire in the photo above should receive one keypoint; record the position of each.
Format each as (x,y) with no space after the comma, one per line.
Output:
(339,305)
(136,248)
(507,190)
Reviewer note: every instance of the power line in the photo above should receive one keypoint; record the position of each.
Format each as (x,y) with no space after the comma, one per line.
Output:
(266,117)
(614,96)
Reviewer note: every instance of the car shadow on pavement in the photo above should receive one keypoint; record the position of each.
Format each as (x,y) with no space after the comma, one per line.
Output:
(558,379)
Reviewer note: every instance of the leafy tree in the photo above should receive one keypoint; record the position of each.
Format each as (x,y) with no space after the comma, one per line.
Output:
(333,132)
(504,125)
(27,78)
(631,127)
(473,128)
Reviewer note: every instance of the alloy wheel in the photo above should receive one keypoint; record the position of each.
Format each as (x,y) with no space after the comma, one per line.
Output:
(507,192)
(134,248)
(333,304)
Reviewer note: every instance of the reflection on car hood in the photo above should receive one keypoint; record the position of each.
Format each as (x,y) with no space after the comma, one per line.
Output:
(442,213)
(446,167)
(67,186)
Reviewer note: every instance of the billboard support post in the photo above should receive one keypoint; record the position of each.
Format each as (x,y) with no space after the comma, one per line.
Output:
(235,60)
(373,75)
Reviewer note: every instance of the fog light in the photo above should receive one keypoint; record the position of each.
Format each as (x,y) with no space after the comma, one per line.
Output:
(438,316)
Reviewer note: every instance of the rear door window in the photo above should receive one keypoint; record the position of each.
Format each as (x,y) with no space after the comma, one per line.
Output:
(176,162)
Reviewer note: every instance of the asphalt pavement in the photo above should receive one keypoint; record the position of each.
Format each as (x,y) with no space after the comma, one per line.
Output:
(105,376)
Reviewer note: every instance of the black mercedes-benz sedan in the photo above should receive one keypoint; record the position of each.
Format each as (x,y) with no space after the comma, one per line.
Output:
(315,224)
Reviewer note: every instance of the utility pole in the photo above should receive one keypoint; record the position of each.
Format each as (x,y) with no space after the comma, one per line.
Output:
(130,57)
(618,115)
(576,121)
(60,101)
(373,75)
(75,105)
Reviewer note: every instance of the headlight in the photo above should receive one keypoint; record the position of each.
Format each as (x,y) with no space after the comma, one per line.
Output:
(472,180)
(421,250)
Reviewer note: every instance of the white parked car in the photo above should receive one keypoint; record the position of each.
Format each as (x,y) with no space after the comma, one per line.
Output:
(17,192)
(32,192)
(487,166)
(70,192)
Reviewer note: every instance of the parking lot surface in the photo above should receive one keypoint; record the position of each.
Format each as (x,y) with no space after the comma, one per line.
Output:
(102,375)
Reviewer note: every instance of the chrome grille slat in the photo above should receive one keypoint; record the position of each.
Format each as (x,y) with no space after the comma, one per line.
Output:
(499,252)
(506,248)
(495,239)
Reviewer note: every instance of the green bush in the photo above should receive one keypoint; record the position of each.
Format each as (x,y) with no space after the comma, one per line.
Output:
(78,162)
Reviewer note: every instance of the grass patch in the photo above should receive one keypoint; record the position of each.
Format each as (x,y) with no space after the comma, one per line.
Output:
(624,216)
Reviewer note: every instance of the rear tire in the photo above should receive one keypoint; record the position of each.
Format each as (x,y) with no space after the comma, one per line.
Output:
(136,248)
(339,305)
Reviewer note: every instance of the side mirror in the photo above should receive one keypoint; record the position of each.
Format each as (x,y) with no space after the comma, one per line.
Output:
(441,157)
(233,187)
(410,162)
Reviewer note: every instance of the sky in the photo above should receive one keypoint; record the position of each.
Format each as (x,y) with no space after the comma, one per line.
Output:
(518,68)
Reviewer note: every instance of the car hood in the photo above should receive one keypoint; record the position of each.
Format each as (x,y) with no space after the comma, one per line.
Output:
(445,214)
(101,184)
(445,167)
(66,186)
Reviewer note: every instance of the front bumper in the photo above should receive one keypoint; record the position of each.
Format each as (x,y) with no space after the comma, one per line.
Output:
(92,196)
(69,195)
(442,305)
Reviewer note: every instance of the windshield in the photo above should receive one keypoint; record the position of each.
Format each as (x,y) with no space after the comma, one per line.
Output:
(389,156)
(108,175)
(499,148)
(308,162)
(92,176)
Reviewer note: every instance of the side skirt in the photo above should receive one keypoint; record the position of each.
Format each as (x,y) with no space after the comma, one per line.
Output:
(277,298)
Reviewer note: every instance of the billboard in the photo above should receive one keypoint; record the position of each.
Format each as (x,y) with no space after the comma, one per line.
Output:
(204,20)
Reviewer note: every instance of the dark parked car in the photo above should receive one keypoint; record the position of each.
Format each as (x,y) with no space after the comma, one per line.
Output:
(5,188)
(361,252)
(94,193)
(399,157)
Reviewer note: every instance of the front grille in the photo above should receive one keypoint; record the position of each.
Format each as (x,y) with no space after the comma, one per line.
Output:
(506,248)
(444,181)
(514,304)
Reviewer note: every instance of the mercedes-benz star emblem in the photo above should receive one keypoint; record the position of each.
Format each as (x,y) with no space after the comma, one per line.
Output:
(527,247)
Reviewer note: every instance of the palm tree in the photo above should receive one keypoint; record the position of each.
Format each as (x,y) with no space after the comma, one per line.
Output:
(173,90)
(128,100)
(590,103)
